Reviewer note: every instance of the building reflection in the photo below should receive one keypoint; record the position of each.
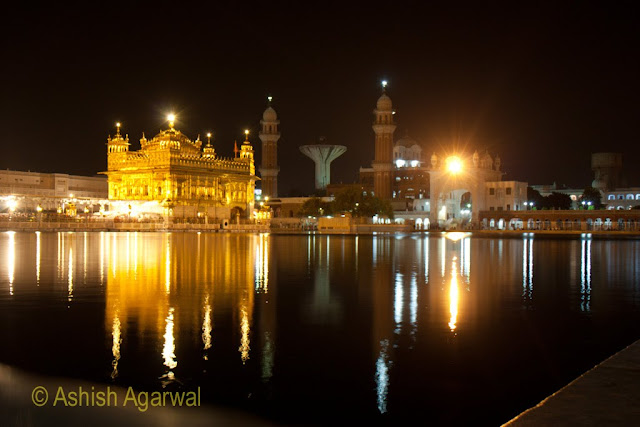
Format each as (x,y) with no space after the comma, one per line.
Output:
(11,259)
(186,282)
(527,270)
(585,274)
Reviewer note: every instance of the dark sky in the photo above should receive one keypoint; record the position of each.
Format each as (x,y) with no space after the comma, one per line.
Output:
(542,85)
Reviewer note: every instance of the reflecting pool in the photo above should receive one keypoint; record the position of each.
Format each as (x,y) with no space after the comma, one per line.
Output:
(316,328)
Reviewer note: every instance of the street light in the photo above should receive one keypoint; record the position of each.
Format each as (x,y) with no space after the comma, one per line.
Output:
(454,165)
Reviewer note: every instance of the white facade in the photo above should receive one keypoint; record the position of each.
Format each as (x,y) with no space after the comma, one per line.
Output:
(622,198)
(505,195)
(49,190)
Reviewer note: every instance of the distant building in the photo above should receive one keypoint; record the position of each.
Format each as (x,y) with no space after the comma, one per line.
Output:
(607,168)
(50,191)
(622,198)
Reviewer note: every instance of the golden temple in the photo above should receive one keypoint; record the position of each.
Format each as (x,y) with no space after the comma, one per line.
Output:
(178,177)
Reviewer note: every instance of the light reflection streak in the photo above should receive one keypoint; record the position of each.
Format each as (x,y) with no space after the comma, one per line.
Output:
(382,376)
(207,327)
(426,260)
(267,357)
(397,302)
(527,269)
(38,257)
(115,347)
(102,258)
(169,348)
(453,296)
(443,244)
(585,277)
(167,264)
(413,305)
(70,288)
(11,259)
(244,340)
(262,264)
(84,259)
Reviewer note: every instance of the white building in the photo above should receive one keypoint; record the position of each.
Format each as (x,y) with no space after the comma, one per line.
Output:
(49,190)
(622,198)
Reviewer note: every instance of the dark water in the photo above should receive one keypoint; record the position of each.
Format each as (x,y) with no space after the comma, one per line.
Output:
(314,329)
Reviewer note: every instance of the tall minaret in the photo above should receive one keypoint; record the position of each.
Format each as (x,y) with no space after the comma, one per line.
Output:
(269,135)
(384,127)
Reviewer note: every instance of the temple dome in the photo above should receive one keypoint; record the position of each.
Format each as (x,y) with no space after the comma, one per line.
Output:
(384,103)
(407,141)
(269,115)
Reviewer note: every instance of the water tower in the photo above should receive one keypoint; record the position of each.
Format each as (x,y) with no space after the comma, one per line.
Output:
(607,168)
(322,155)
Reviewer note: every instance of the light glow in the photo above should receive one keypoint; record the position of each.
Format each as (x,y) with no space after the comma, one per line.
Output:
(454,164)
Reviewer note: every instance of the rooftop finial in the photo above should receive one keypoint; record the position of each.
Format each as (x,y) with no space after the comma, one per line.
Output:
(208,138)
(171,118)
(269,98)
(384,85)
(118,129)
(246,135)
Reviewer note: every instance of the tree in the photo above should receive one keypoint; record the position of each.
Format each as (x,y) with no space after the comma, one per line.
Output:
(558,201)
(534,196)
(352,199)
(592,195)
(315,207)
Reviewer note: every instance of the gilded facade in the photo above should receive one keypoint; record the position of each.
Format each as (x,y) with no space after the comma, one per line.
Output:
(181,177)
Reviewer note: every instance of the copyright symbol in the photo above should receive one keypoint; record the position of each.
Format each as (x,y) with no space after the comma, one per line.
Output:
(39,396)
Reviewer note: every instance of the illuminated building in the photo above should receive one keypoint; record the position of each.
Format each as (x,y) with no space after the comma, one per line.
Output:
(269,135)
(173,175)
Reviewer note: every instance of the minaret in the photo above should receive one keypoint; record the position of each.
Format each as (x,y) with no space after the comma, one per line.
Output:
(269,135)
(383,127)
(246,152)
(115,147)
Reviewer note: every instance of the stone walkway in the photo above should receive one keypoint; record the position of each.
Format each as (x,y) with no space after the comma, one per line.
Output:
(607,395)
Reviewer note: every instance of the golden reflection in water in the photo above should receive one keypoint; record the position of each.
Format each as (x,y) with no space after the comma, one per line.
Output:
(585,280)
(115,347)
(453,296)
(169,348)
(84,259)
(244,340)
(222,281)
(207,327)
(167,264)
(11,259)
(113,254)
(443,251)
(70,273)
(38,258)
(262,264)
(102,258)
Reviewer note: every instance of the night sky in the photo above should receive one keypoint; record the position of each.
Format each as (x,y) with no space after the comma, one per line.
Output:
(543,86)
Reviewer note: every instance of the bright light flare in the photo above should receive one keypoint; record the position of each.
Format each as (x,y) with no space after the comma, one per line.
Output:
(384,83)
(454,164)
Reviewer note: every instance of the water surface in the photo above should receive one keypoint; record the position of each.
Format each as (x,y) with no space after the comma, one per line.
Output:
(313,328)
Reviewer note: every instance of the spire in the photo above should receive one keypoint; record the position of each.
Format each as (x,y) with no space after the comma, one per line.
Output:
(235,149)
(117,129)
(209,139)
(384,86)
(246,136)
(269,99)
